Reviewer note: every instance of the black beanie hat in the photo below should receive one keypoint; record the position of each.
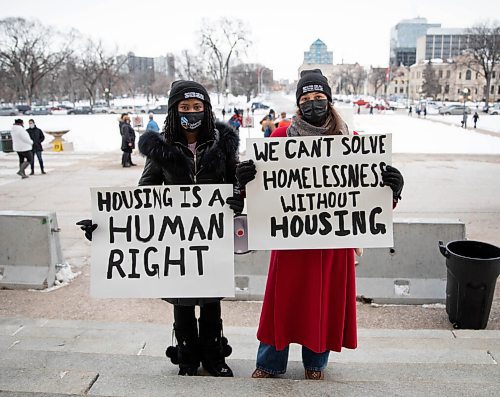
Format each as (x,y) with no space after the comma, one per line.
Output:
(313,81)
(184,89)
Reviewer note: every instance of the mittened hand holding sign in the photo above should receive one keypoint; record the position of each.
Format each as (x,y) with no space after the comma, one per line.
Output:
(393,178)
(245,172)
(88,227)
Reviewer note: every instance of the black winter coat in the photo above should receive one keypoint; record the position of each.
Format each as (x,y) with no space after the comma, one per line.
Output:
(37,137)
(175,164)
(128,136)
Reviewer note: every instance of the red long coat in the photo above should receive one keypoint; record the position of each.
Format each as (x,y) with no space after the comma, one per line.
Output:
(310,298)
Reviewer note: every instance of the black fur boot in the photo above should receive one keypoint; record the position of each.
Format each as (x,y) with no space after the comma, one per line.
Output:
(185,354)
(214,349)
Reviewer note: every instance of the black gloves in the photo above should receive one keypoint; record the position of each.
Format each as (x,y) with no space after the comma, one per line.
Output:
(245,172)
(88,227)
(236,203)
(392,177)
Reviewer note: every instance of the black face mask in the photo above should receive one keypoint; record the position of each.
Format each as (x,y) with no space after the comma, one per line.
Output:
(315,112)
(191,121)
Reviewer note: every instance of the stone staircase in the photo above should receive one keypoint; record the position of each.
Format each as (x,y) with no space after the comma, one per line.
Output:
(41,357)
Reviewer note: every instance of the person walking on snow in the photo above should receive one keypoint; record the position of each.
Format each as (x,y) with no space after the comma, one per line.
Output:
(22,144)
(36,135)
(475,118)
(128,142)
(310,296)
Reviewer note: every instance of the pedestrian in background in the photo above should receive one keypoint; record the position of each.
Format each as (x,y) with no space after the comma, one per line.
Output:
(22,144)
(128,142)
(284,122)
(475,118)
(310,296)
(464,119)
(410,111)
(152,125)
(37,136)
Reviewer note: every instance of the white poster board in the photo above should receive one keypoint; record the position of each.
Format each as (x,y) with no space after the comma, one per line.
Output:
(162,242)
(319,192)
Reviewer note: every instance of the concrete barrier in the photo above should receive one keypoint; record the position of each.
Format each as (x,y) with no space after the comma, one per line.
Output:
(411,272)
(29,249)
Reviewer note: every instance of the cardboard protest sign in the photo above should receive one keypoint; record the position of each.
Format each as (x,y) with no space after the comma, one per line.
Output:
(162,242)
(319,192)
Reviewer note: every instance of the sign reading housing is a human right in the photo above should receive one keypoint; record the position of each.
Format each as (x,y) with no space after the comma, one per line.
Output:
(162,242)
(319,192)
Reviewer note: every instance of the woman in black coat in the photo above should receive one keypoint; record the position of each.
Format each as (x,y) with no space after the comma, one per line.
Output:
(128,141)
(193,149)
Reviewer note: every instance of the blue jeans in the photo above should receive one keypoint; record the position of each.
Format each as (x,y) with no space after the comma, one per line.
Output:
(274,361)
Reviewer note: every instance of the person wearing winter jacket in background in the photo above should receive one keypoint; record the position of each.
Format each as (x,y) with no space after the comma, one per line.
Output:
(192,149)
(128,141)
(36,135)
(22,144)
(322,316)
(152,125)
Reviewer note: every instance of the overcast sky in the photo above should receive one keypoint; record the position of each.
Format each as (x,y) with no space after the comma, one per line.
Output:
(356,31)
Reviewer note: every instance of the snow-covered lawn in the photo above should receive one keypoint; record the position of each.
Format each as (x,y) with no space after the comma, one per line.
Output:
(99,133)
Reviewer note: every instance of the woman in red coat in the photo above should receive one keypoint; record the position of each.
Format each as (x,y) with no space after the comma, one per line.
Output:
(310,296)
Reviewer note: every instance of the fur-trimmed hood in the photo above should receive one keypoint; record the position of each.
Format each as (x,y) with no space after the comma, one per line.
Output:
(178,161)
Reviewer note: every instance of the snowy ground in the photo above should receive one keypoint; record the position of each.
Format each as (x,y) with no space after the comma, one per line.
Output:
(99,133)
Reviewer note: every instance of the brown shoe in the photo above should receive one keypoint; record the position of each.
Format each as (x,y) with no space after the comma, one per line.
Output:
(259,374)
(315,375)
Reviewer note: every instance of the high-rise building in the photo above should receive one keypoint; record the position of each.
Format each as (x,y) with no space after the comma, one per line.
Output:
(403,47)
(318,54)
(439,43)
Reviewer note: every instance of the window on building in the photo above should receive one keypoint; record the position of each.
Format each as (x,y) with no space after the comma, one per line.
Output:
(468,75)
(460,76)
(448,74)
(446,89)
(395,90)
(458,91)
(493,75)
(492,90)
(395,82)
(401,90)
(475,91)
(498,90)
(477,75)
(440,74)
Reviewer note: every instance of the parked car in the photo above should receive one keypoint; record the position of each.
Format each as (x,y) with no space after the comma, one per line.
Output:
(100,109)
(495,109)
(160,109)
(38,111)
(81,110)
(8,111)
(23,108)
(454,109)
(259,105)
(125,109)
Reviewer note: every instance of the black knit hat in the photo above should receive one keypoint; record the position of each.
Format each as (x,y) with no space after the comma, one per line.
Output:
(313,81)
(184,89)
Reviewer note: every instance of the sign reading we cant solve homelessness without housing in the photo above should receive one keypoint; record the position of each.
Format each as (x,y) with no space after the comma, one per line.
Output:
(162,242)
(319,192)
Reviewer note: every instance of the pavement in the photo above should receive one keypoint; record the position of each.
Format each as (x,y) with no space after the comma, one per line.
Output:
(64,342)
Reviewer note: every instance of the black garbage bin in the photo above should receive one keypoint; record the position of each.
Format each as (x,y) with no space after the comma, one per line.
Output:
(6,138)
(473,268)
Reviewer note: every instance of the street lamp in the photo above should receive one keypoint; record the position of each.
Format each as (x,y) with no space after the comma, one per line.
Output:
(226,94)
(465,94)
(107,95)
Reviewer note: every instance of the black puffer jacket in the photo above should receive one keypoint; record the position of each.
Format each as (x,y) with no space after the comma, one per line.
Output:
(37,137)
(175,164)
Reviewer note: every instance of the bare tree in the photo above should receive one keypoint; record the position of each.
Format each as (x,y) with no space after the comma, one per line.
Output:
(191,66)
(29,51)
(244,80)
(484,51)
(88,68)
(220,42)
(377,78)
(430,85)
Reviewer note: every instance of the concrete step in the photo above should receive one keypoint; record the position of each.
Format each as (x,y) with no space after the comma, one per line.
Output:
(50,357)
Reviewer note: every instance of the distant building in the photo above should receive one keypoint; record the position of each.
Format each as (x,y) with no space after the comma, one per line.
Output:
(318,57)
(439,43)
(318,54)
(403,44)
(165,65)
(139,65)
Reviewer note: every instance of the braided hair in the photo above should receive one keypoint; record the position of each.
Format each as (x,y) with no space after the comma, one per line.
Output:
(172,130)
